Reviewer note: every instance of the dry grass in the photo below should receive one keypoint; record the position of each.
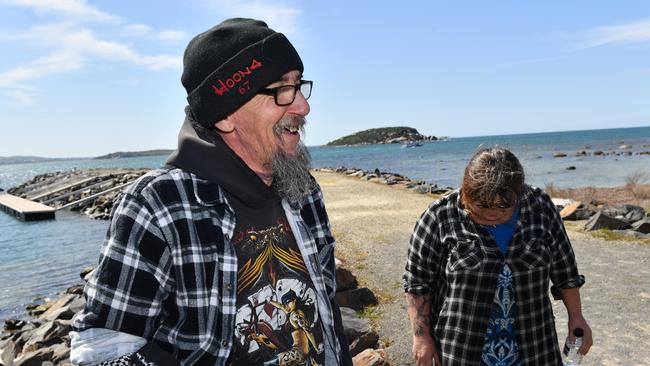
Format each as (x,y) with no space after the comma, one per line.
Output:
(613,235)
(636,194)
(636,183)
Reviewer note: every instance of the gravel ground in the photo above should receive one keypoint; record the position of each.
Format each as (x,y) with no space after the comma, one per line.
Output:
(372,224)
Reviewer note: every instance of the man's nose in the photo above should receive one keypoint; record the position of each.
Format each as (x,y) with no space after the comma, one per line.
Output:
(300,106)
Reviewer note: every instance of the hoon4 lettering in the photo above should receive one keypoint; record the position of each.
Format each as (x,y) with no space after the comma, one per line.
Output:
(225,86)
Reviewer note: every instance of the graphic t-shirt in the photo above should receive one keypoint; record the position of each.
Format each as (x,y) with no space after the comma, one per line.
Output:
(277,322)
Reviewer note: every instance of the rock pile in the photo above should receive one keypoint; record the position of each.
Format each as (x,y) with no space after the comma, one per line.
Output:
(627,150)
(390,179)
(362,339)
(628,219)
(43,339)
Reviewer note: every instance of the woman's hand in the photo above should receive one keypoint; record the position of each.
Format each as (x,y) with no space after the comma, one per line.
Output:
(425,352)
(578,321)
(571,299)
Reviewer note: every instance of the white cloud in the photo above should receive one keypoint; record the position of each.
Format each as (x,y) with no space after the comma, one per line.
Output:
(79,35)
(55,63)
(139,29)
(170,35)
(77,9)
(22,97)
(143,30)
(279,16)
(636,32)
(73,49)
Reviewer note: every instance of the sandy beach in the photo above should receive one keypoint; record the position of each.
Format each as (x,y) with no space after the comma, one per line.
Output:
(372,224)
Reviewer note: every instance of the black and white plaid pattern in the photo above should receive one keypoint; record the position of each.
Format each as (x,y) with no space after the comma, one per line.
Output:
(458,263)
(167,271)
(132,359)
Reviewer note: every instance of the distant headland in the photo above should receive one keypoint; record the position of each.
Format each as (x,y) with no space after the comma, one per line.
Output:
(23,159)
(384,135)
(134,154)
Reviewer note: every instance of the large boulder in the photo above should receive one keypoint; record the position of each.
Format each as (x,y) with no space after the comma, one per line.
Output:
(642,226)
(602,221)
(353,325)
(77,289)
(577,211)
(627,213)
(423,188)
(42,336)
(356,299)
(345,280)
(34,358)
(561,203)
(14,324)
(59,308)
(371,357)
(365,341)
(86,272)
(7,352)
(61,353)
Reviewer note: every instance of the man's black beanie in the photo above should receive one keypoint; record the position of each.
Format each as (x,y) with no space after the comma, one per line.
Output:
(225,66)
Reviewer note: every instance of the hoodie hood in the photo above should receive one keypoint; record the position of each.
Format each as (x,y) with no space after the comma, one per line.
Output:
(203,152)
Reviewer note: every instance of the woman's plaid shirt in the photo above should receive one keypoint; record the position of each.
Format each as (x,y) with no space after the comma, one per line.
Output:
(168,272)
(458,263)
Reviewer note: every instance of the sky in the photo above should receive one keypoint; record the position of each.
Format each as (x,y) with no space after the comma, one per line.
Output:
(86,78)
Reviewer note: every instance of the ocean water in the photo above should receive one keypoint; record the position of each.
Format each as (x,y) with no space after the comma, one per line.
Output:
(40,259)
(442,162)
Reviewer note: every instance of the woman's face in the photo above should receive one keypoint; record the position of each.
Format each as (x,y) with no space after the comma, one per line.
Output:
(489,215)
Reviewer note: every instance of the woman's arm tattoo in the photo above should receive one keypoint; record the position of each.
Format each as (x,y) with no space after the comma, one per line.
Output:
(419,310)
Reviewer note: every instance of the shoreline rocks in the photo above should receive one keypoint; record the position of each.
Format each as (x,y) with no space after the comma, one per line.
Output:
(390,179)
(43,337)
(91,191)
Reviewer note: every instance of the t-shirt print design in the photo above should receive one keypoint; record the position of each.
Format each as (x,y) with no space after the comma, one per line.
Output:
(277,322)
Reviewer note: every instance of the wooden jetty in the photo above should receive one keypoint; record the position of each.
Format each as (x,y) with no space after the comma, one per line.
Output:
(74,190)
(25,209)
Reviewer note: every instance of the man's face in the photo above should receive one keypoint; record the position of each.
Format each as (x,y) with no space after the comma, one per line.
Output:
(262,128)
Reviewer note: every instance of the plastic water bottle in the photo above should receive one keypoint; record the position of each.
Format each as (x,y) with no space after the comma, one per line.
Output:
(571,354)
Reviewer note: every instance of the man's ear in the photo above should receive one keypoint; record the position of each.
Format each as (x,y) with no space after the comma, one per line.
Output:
(226,125)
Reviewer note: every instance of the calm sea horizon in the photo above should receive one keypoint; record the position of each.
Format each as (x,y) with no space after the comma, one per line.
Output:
(40,259)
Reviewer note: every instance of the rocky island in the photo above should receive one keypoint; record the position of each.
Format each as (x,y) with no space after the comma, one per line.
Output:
(384,135)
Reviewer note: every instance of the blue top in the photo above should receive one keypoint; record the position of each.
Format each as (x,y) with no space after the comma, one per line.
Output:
(502,233)
(500,347)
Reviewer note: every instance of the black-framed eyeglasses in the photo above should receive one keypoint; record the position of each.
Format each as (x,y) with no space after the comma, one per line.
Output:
(286,94)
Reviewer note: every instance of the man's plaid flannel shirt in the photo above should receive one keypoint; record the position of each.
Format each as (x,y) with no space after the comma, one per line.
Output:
(167,271)
(458,263)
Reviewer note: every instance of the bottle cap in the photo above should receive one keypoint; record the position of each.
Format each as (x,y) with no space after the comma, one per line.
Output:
(578,332)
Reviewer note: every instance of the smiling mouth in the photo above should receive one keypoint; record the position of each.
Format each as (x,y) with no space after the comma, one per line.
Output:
(293,129)
(289,125)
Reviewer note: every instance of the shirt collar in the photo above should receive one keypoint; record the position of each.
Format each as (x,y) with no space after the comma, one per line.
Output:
(207,193)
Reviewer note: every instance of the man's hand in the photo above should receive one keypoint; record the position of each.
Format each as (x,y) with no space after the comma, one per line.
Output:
(425,352)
